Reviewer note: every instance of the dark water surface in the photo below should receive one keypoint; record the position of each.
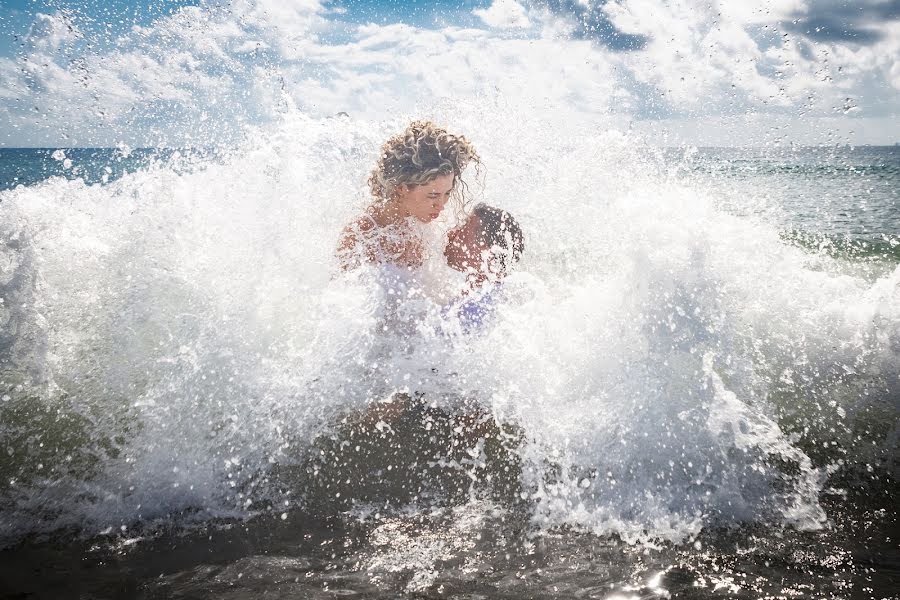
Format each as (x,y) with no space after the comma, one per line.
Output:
(431,556)
(28,166)
(469,540)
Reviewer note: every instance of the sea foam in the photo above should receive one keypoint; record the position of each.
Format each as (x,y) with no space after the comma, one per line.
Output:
(178,335)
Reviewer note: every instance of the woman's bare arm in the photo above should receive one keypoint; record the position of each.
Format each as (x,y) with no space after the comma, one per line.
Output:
(352,248)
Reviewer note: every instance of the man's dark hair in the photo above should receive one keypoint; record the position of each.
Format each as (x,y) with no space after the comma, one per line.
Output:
(499,228)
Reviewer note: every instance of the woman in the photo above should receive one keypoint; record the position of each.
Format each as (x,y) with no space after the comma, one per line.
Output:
(417,175)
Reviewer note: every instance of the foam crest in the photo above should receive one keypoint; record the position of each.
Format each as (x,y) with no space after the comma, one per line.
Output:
(185,331)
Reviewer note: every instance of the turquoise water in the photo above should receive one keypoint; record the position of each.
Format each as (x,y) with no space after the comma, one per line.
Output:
(846,200)
(844,191)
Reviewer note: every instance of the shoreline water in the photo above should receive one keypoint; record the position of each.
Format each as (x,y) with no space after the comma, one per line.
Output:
(428,556)
(697,343)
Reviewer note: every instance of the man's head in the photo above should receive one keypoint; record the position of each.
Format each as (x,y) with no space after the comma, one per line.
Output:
(487,244)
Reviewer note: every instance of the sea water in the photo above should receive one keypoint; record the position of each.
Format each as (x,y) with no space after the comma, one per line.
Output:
(693,380)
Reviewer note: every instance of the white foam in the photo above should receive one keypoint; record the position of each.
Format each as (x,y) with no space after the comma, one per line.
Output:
(653,349)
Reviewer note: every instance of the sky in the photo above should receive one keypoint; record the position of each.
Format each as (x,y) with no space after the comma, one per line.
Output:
(699,72)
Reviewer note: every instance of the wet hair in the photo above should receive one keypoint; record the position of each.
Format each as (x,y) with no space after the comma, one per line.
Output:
(418,155)
(500,229)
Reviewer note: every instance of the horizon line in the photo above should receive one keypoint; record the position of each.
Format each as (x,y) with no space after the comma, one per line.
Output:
(679,146)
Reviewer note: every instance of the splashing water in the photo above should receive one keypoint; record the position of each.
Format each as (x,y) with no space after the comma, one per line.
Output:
(177,336)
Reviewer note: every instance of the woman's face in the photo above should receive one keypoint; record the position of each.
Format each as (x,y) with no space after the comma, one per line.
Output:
(425,202)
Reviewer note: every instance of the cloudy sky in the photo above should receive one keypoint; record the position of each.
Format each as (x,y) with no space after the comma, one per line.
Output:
(173,72)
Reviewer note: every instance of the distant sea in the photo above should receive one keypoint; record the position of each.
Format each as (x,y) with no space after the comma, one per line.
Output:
(849,193)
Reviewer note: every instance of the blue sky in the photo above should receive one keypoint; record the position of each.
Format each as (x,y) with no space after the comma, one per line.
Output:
(94,72)
(413,12)
(16,16)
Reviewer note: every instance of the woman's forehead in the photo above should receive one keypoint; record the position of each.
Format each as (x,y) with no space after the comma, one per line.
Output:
(441,183)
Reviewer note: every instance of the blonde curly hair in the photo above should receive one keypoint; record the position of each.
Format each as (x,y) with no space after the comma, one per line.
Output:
(418,155)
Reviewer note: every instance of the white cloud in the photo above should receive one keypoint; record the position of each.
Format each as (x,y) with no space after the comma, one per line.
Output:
(204,73)
(404,69)
(504,14)
(730,58)
(50,32)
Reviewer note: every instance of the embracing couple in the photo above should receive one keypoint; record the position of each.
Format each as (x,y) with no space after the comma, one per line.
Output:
(418,174)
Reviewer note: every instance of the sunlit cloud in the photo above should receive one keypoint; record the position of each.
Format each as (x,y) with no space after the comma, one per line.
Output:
(203,74)
(504,14)
(594,20)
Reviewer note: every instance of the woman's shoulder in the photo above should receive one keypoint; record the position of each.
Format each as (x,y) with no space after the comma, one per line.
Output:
(358,230)
(360,225)
(366,240)
(352,235)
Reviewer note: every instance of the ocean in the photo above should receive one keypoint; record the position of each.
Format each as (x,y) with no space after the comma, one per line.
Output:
(692,384)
